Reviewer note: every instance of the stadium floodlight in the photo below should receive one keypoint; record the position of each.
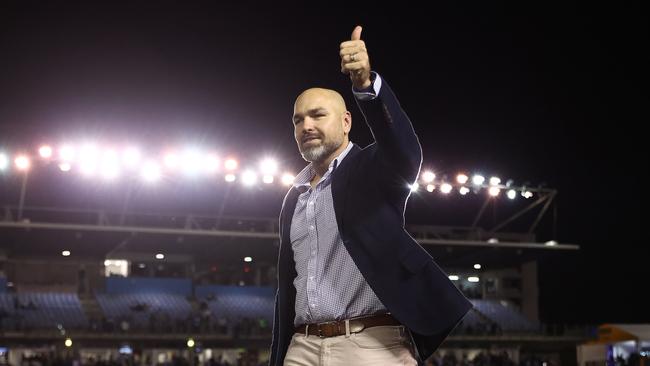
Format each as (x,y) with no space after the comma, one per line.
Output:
(512,194)
(428,176)
(495,181)
(477,266)
(131,157)
(445,188)
(110,167)
(454,277)
(66,153)
(150,171)
(230,164)
(478,179)
(88,167)
(269,166)
(494,191)
(248,259)
(65,253)
(160,256)
(88,157)
(230,178)
(45,151)
(526,194)
(22,162)
(473,279)
(287,179)
(191,162)
(268,179)
(414,187)
(211,162)
(430,187)
(68,342)
(171,160)
(462,178)
(463,190)
(4,161)
(65,167)
(249,178)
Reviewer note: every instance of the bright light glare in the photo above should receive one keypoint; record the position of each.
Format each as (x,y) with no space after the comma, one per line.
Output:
(462,178)
(4,161)
(287,179)
(463,190)
(494,191)
(131,157)
(478,180)
(65,167)
(45,151)
(428,176)
(495,181)
(230,177)
(22,162)
(414,187)
(211,163)
(268,179)
(512,194)
(191,162)
(171,160)
(268,166)
(473,279)
(66,153)
(249,178)
(230,164)
(430,187)
(445,188)
(110,166)
(150,171)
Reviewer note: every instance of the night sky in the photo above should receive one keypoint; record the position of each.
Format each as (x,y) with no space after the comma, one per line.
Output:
(552,94)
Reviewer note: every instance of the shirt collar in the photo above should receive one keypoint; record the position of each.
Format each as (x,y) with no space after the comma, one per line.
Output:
(305,176)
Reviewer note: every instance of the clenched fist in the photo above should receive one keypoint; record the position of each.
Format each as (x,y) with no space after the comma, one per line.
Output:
(355,61)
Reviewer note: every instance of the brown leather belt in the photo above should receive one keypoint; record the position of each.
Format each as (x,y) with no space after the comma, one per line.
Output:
(337,328)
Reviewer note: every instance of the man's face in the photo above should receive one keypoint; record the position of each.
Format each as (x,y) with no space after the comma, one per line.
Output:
(321,123)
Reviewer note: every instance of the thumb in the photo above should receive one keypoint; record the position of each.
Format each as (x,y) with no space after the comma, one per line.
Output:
(356,33)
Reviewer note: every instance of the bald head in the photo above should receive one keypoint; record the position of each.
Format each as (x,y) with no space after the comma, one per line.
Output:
(327,96)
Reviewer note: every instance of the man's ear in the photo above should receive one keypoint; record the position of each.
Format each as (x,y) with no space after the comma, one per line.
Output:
(347,122)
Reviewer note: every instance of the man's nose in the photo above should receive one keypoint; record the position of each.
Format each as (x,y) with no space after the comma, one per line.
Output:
(308,124)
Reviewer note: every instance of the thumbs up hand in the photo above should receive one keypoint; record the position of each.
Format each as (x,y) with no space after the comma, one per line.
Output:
(355,61)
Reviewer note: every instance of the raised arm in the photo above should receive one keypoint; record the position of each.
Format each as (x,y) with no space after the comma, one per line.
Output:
(397,144)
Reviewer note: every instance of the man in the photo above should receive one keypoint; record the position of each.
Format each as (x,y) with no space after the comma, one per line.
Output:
(353,287)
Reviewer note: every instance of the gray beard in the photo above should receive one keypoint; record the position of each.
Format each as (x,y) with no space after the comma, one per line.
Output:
(320,152)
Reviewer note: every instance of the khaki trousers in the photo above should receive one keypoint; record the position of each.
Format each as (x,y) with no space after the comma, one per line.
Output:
(376,346)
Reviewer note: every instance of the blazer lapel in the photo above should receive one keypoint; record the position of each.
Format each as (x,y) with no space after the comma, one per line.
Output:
(340,178)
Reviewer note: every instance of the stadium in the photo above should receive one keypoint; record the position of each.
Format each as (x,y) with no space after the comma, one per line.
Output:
(146,150)
(126,279)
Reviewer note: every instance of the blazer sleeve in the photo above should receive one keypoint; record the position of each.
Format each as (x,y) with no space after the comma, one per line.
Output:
(398,147)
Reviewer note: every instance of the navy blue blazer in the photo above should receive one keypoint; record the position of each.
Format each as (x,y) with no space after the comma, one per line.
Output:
(370,190)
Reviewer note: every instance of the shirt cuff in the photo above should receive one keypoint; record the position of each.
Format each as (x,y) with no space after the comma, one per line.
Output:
(370,92)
